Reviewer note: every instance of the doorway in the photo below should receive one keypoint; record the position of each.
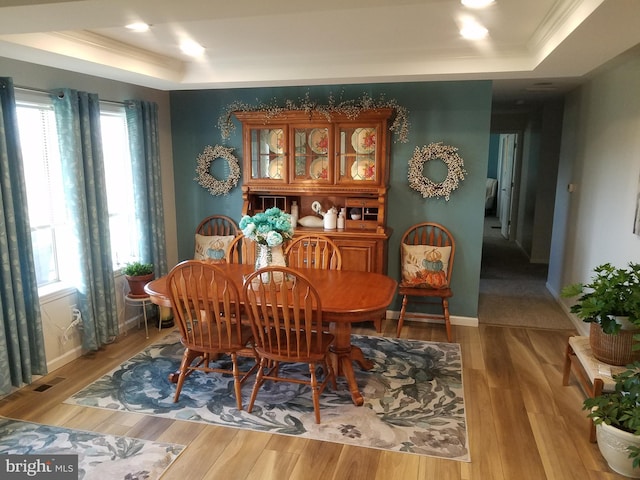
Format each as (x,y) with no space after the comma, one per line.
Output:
(506,168)
(512,289)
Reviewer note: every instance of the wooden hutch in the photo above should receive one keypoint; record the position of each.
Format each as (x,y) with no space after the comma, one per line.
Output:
(302,157)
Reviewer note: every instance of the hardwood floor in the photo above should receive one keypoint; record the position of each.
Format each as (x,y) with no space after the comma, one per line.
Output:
(523,424)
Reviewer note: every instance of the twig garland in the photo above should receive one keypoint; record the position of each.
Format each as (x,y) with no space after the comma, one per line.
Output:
(426,186)
(351,108)
(208,181)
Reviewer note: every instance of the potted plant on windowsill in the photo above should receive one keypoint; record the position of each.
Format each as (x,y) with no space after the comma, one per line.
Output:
(611,303)
(617,418)
(138,274)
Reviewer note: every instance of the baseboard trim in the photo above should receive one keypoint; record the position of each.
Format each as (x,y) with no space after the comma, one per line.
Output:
(463,321)
(581,327)
(65,358)
(77,352)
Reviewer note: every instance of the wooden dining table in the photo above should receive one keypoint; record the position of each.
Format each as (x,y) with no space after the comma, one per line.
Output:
(347,297)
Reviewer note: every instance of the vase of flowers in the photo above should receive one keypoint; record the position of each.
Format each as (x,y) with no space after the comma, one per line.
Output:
(269,229)
(267,256)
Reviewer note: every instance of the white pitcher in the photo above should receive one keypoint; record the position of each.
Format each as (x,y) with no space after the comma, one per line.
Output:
(331,219)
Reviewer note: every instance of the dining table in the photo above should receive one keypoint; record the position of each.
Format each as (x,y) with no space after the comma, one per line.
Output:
(347,297)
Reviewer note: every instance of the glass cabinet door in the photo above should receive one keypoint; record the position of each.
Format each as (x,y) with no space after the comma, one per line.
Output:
(312,150)
(357,153)
(268,155)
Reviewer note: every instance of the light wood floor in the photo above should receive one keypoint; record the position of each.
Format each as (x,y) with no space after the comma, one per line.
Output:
(522,423)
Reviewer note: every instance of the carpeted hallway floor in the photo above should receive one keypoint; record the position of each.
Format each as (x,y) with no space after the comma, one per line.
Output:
(512,290)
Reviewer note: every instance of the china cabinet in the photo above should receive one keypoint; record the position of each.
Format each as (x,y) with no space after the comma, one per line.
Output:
(304,158)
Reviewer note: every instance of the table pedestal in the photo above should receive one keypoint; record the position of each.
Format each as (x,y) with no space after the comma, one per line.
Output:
(342,355)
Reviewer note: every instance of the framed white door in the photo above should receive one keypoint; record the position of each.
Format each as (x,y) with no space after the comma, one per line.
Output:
(506,161)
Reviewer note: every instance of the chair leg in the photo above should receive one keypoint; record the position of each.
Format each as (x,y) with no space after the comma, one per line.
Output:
(447,320)
(187,357)
(402,313)
(257,384)
(250,372)
(236,380)
(378,324)
(315,391)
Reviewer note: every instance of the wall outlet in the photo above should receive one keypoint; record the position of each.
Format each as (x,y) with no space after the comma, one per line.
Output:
(76,322)
(76,317)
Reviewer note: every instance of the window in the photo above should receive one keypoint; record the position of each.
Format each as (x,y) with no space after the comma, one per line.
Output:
(45,194)
(50,230)
(119,179)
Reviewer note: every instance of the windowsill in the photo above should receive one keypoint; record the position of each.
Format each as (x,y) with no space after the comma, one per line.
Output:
(50,293)
(55,291)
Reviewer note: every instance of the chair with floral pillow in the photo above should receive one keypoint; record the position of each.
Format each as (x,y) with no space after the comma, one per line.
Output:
(213,236)
(220,225)
(427,251)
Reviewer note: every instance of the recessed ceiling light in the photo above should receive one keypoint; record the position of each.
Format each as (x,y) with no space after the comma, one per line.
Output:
(191,48)
(476,3)
(473,31)
(138,27)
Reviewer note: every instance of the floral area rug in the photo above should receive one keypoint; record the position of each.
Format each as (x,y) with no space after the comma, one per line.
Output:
(100,457)
(413,397)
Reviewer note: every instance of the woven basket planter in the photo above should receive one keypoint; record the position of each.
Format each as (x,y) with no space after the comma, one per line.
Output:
(613,349)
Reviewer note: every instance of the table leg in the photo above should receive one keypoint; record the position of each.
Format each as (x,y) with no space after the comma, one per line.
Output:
(357,356)
(343,354)
(346,369)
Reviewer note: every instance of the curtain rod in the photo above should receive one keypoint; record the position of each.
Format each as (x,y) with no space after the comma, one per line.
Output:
(39,90)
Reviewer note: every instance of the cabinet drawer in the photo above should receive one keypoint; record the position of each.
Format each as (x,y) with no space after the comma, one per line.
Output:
(362,202)
(361,224)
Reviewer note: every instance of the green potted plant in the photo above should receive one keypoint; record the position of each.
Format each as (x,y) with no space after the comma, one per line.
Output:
(138,274)
(617,418)
(611,303)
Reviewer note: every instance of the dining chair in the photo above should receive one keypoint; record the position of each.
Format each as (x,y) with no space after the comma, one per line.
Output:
(212,238)
(427,252)
(314,251)
(285,311)
(217,225)
(242,250)
(206,307)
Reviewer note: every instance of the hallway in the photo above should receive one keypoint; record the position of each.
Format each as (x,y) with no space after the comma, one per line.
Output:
(512,290)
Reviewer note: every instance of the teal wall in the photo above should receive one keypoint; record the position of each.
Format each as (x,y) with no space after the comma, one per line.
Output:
(455,113)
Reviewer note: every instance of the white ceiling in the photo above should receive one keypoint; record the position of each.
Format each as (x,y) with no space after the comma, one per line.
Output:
(249,43)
